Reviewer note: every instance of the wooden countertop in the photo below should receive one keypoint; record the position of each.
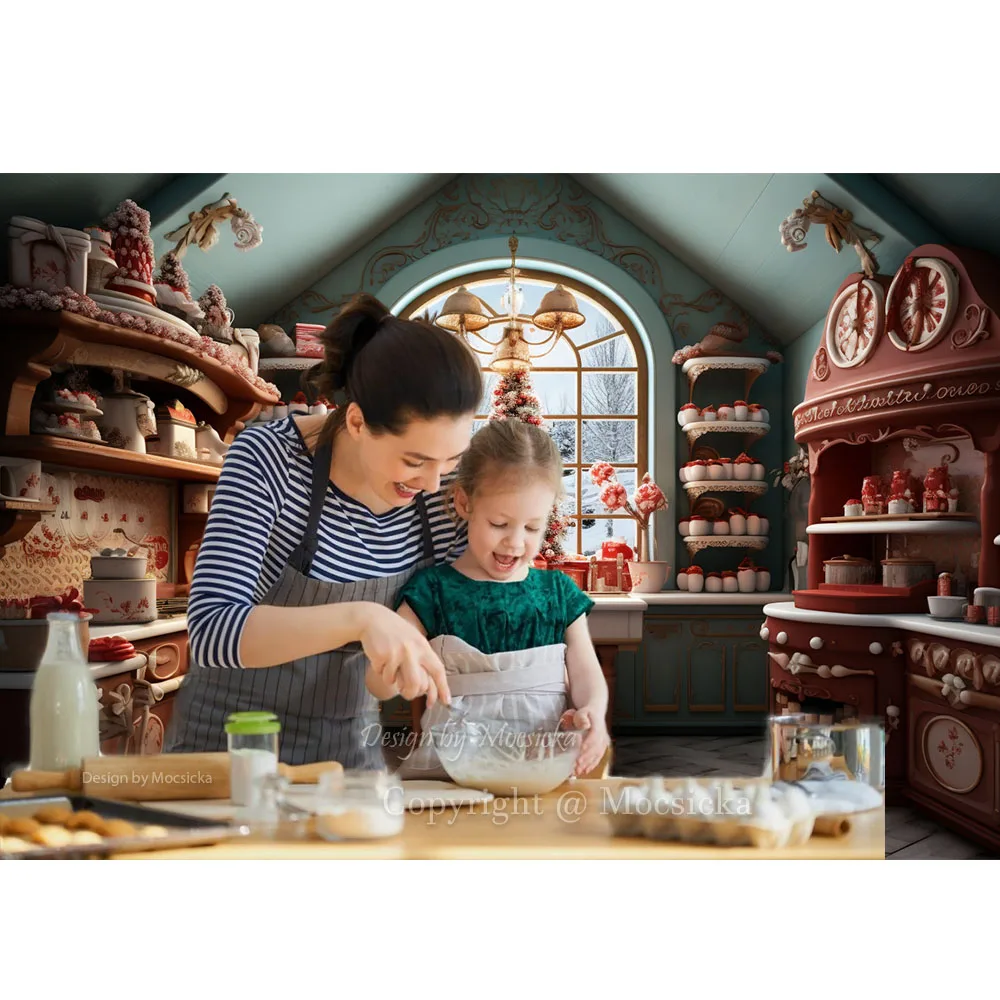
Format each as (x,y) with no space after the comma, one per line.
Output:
(568,823)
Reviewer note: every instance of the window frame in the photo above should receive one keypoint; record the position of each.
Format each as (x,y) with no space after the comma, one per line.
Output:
(640,369)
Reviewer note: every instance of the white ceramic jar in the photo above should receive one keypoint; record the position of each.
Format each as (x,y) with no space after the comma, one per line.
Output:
(742,471)
(727,468)
(763,581)
(740,410)
(688,414)
(726,412)
(695,580)
(682,580)
(684,526)
(746,580)
(764,525)
(716,471)
(697,472)
(709,414)
(699,526)
(738,524)
(756,413)
(730,585)
(757,472)
(720,526)
(713,583)
(47,258)
(753,524)
(683,471)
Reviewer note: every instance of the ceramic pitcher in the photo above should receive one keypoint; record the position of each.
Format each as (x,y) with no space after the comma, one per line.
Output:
(128,420)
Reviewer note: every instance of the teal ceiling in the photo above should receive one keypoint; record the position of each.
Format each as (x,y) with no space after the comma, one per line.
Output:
(723,226)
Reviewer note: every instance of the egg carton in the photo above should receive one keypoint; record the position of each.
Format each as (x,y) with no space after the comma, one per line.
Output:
(717,813)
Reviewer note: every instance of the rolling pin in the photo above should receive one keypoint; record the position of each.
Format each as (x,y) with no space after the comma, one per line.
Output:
(154,777)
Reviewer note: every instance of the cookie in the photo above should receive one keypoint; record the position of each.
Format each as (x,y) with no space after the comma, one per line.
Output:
(153,831)
(52,836)
(56,815)
(15,845)
(86,837)
(23,826)
(85,820)
(116,828)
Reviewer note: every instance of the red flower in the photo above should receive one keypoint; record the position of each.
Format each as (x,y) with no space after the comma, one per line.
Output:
(601,473)
(613,496)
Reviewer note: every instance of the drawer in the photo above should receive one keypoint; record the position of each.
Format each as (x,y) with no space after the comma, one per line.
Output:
(835,643)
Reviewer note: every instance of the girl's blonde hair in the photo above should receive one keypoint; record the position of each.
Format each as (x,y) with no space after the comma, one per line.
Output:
(504,446)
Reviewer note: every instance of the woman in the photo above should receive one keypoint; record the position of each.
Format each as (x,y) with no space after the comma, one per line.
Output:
(316,524)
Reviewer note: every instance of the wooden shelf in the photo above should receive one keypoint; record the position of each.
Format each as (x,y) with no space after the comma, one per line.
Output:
(884,525)
(18,517)
(749,486)
(942,516)
(88,455)
(697,542)
(751,428)
(694,368)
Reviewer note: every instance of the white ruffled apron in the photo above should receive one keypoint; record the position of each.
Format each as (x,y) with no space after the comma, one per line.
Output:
(526,688)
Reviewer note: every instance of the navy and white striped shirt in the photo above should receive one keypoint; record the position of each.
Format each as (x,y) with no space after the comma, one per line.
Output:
(258,517)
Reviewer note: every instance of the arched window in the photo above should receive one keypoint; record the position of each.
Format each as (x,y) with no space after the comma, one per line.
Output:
(592,385)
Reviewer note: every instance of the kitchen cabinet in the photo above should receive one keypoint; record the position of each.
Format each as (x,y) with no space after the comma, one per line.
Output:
(694,671)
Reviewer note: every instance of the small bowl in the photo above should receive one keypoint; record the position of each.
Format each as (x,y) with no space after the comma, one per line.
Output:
(496,756)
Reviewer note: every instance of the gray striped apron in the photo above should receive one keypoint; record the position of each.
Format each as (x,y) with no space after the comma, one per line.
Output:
(326,711)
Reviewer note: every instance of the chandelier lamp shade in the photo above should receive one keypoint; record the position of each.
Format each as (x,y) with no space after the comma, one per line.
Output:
(468,315)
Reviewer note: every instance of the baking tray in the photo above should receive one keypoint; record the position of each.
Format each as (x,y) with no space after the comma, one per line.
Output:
(183,831)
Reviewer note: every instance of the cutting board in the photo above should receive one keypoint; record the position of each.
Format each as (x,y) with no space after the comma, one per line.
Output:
(417,796)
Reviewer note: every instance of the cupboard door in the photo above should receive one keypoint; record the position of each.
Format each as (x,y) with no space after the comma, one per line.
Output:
(706,676)
(659,663)
(749,676)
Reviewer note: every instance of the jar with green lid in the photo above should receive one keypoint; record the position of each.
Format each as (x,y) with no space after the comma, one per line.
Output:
(253,753)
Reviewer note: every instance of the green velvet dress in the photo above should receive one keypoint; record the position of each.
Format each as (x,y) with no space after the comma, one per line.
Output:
(492,616)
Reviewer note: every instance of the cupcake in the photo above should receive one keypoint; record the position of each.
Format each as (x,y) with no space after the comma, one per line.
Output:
(299,404)
(740,409)
(684,526)
(746,577)
(756,413)
(687,414)
(682,472)
(708,413)
(753,524)
(319,408)
(266,413)
(758,472)
(726,412)
(729,582)
(898,504)
(715,470)
(698,470)
(699,526)
(713,583)
(727,467)
(853,508)
(720,526)
(875,505)
(695,579)
(763,581)
(743,467)
(952,501)
(280,410)
(738,521)
(682,579)
(764,525)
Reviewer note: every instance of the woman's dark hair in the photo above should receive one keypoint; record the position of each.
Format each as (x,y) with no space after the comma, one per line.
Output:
(396,370)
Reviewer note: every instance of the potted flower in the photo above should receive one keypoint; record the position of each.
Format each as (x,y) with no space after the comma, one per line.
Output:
(648,575)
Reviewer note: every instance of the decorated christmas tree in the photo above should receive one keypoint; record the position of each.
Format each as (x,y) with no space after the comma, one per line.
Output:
(555,527)
(172,273)
(514,398)
(216,322)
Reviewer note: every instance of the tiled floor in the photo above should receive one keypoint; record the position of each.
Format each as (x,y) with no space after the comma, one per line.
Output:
(908,834)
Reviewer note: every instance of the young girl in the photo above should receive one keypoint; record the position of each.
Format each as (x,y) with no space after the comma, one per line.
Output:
(507,633)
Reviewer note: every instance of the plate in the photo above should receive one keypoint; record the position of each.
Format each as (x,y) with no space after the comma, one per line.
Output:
(119,302)
(61,406)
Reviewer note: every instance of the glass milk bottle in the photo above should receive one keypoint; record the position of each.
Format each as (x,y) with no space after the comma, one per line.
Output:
(64,711)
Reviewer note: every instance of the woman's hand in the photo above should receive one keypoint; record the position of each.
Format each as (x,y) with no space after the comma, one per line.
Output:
(401,656)
(595,742)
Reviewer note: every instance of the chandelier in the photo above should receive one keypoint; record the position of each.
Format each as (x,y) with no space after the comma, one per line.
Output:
(466,314)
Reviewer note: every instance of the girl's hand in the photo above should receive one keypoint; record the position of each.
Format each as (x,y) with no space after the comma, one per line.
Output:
(595,742)
(401,656)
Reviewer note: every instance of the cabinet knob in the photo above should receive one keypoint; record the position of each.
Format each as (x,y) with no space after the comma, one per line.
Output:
(875,648)
(781,638)
(816,642)
(764,632)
